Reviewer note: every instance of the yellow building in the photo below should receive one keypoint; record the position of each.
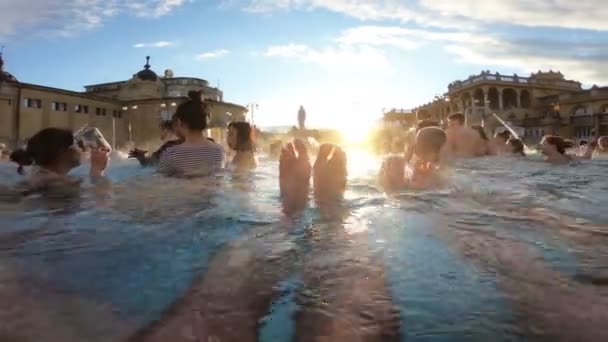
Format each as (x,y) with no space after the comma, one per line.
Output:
(543,103)
(125,111)
(399,119)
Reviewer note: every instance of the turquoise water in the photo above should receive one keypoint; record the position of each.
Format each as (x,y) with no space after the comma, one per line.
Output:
(511,250)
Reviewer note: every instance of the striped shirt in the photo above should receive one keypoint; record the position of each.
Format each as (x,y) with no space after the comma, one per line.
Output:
(192,160)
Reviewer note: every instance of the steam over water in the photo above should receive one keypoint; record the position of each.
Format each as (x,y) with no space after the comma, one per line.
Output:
(513,249)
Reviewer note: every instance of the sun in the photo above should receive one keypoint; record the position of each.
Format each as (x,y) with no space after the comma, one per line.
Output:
(354,132)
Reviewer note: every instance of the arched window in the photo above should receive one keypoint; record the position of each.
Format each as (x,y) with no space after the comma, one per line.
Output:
(493,98)
(509,98)
(525,99)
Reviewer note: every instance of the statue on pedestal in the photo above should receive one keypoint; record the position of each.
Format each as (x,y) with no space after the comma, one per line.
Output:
(302,118)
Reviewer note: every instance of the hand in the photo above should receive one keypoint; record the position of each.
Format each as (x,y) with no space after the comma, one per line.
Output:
(137,153)
(330,173)
(100,158)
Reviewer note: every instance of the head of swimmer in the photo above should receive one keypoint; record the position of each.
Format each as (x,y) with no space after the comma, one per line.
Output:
(517,146)
(240,136)
(51,148)
(552,145)
(429,142)
(191,117)
(602,144)
(456,120)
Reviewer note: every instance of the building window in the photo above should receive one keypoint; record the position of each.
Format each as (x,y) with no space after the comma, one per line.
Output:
(59,106)
(100,112)
(81,109)
(117,114)
(32,103)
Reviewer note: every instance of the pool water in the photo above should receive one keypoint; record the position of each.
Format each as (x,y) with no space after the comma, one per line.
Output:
(511,250)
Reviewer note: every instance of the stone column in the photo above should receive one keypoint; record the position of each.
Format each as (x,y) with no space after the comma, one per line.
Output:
(501,106)
(486,104)
(596,123)
(518,92)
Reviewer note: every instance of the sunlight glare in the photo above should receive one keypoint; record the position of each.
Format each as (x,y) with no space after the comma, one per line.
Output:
(355,132)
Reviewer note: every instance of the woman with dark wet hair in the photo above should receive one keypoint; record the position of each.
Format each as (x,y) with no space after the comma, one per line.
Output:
(240,140)
(54,154)
(197,155)
(554,149)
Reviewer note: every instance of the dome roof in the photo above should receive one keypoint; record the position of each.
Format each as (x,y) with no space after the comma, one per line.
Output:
(5,75)
(147,74)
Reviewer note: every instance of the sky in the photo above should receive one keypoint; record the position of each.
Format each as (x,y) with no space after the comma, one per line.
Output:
(345,61)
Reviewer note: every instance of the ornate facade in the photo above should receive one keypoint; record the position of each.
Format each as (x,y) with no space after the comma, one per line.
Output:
(543,103)
(124,111)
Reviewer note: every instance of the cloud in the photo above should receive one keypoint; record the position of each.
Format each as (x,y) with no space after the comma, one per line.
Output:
(580,14)
(400,37)
(582,61)
(213,54)
(67,17)
(469,14)
(360,57)
(366,10)
(159,44)
(583,57)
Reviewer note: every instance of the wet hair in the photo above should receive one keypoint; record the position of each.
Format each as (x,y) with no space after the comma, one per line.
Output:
(430,140)
(193,113)
(517,146)
(457,117)
(583,143)
(244,139)
(44,148)
(481,132)
(426,123)
(505,135)
(560,143)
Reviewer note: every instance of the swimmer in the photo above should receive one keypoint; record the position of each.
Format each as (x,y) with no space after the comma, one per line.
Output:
(197,155)
(168,136)
(423,173)
(486,141)
(498,144)
(554,149)
(54,153)
(463,142)
(240,140)
(602,145)
(411,136)
(516,147)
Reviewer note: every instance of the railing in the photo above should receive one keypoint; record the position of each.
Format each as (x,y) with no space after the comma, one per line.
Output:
(585,120)
(511,80)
